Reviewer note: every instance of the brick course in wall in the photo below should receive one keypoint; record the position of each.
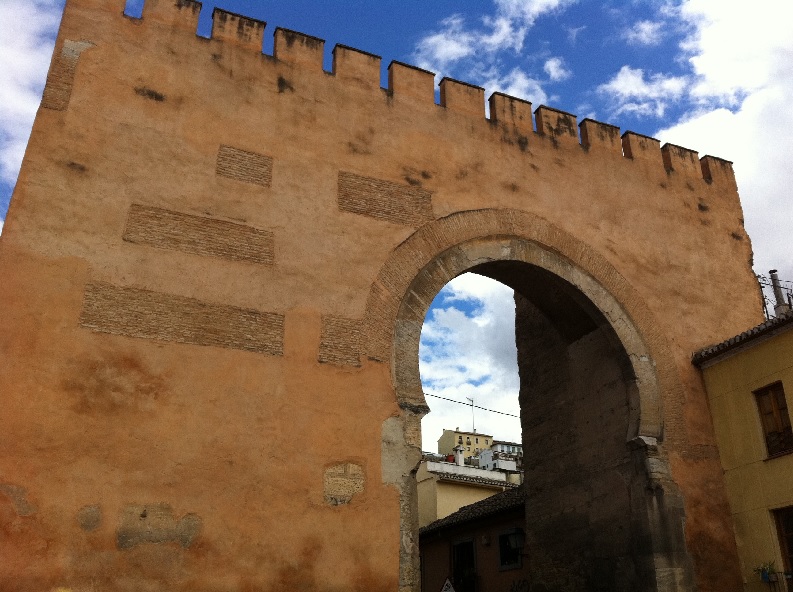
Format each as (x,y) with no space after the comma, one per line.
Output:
(384,200)
(165,229)
(340,342)
(167,317)
(244,166)
(58,90)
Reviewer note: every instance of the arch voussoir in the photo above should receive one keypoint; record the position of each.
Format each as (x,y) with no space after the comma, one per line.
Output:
(444,248)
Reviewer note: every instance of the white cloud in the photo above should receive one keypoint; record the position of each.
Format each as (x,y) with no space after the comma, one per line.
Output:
(27,35)
(475,51)
(741,111)
(515,83)
(447,46)
(646,33)
(2,223)
(573,33)
(557,71)
(527,11)
(734,50)
(633,93)
(473,356)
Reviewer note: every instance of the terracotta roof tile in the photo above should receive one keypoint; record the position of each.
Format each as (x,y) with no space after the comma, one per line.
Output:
(712,351)
(506,500)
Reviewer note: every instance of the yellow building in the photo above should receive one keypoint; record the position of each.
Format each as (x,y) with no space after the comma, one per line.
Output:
(472,442)
(444,488)
(749,379)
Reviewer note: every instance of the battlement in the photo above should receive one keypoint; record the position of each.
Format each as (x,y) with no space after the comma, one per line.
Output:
(417,86)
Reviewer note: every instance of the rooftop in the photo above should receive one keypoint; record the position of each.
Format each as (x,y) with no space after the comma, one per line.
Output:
(783,322)
(506,500)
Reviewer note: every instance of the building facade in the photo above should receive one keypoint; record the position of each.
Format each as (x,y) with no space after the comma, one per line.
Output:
(472,442)
(749,380)
(479,548)
(444,488)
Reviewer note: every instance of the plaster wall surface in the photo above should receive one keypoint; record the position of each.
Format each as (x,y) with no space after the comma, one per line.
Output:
(211,252)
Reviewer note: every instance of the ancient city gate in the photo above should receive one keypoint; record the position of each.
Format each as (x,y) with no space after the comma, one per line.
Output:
(213,278)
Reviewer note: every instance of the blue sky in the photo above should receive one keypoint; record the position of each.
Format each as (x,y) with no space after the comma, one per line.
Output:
(715,76)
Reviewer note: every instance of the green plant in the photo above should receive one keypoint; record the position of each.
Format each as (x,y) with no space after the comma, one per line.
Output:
(765,568)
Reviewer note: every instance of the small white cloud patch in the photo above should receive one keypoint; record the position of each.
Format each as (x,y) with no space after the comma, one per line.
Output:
(647,33)
(556,70)
(633,93)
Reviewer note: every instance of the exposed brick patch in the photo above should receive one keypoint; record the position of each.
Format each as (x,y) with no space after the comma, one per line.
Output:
(341,482)
(340,342)
(165,229)
(155,523)
(60,79)
(384,200)
(166,317)
(245,166)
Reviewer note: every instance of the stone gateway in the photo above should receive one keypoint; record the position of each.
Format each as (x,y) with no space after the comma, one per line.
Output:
(215,258)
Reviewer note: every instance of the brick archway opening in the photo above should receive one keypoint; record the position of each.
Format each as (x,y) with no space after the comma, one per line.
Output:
(602,510)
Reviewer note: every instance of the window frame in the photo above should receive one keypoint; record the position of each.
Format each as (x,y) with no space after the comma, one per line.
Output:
(784,538)
(518,562)
(780,417)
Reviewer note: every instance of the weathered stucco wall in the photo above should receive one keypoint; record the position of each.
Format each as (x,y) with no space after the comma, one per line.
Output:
(212,254)
(756,483)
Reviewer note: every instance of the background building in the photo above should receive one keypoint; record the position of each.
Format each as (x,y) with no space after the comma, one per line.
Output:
(472,442)
(478,548)
(749,379)
(444,487)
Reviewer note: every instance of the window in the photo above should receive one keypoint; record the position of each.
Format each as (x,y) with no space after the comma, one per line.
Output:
(510,547)
(486,441)
(784,525)
(775,419)
(459,439)
(477,440)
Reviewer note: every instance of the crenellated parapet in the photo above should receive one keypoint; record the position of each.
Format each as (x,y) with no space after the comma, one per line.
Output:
(413,85)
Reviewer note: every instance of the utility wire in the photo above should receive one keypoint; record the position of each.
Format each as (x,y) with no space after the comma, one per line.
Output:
(475,406)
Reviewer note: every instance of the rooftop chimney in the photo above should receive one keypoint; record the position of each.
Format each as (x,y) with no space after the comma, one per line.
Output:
(781,306)
(459,457)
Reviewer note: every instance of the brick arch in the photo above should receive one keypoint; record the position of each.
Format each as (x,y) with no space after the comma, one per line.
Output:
(445,248)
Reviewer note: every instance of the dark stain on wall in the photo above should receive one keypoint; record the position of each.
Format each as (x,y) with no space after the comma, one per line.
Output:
(150,94)
(284,85)
(111,384)
(89,517)
(19,499)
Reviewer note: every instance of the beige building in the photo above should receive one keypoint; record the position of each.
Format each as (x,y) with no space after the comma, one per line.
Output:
(472,442)
(444,488)
(749,380)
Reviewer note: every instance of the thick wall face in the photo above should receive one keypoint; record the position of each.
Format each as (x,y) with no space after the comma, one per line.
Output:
(214,258)
(587,524)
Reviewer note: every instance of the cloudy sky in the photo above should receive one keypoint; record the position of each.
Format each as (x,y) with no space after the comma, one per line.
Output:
(715,76)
